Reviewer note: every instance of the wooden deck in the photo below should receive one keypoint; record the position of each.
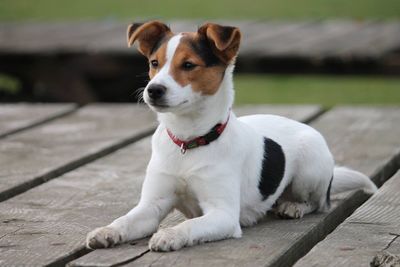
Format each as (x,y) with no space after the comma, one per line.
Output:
(65,170)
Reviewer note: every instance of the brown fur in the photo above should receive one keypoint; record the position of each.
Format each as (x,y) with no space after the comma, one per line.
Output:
(225,40)
(148,35)
(161,56)
(202,78)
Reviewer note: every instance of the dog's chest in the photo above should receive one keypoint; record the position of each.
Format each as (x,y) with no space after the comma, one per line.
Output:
(187,201)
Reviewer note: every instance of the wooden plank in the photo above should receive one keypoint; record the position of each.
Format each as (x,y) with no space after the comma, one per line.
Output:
(40,154)
(336,38)
(302,112)
(48,223)
(340,39)
(262,36)
(375,40)
(45,38)
(281,45)
(374,227)
(275,242)
(18,117)
(365,40)
(311,41)
(111,41)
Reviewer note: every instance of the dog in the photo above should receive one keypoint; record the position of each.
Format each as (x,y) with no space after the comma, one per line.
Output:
(220,171)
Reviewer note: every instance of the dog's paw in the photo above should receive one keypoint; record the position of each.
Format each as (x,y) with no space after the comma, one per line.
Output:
(168,239)
(103,237)
(290,210)
(384,258)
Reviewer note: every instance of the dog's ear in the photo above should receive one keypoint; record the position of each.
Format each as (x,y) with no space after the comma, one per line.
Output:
(224,40)
(147,34)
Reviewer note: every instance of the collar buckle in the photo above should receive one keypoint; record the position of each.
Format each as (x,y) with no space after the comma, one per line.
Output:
(183,149)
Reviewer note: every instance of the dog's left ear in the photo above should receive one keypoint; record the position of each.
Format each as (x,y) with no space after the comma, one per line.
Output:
(225,40)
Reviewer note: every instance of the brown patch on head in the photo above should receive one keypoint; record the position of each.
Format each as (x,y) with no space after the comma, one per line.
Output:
(211,50)
(160,56)
(195,63)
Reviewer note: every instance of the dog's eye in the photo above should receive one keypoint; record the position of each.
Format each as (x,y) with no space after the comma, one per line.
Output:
(188,65)
(154,63)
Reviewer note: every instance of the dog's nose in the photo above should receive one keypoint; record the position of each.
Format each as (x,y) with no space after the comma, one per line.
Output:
(156,91)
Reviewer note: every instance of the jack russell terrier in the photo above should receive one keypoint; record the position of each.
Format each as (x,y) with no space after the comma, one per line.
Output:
(220,171)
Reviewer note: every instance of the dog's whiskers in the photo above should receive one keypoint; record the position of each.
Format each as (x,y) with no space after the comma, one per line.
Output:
(138,93)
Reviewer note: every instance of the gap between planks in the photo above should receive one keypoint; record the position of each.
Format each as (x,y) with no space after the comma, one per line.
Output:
(56,115)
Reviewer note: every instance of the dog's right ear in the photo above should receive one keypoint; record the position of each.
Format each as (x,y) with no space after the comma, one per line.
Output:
(147,34)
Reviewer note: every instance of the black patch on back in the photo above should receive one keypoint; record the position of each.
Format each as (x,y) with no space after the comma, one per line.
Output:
(273,168)
(328,193)
(204,50)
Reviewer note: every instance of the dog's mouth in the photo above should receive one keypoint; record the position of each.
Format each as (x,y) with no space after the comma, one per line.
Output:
(163,106)
(158,105)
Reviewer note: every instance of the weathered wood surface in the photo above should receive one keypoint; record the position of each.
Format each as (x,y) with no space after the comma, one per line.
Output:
(42,153)
(18,117)
(340,39)
(374,227)
(303,113)
(48,224)
(317,39)
(354,135)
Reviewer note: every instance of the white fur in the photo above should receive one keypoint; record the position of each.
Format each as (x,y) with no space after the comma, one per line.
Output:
(216,186)
(346,179)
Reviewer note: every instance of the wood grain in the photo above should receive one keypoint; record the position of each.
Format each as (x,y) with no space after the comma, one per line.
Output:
(374,227)
(276,242)
(40,154)
(48,224)
(18,117)
(314,39)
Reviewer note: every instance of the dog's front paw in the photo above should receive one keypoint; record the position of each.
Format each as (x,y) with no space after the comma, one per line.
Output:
(168,239)
(103,237)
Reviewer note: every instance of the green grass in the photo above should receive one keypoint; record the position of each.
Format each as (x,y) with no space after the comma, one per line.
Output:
(205,9)
(325,90)
(9,84)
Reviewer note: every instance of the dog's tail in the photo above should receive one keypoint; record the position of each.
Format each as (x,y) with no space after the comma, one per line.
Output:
(345,179)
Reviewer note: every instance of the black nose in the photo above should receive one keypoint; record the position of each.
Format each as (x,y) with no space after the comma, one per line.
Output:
(156,91)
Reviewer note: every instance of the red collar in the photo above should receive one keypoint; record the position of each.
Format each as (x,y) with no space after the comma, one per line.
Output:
(212,135)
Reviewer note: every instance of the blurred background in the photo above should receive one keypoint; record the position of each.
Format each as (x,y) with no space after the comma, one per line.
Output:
(308,51)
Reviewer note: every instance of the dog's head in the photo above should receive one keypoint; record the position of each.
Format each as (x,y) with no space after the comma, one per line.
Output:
(184,68)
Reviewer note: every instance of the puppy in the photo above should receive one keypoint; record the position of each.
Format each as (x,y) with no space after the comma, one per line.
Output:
(220,171)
